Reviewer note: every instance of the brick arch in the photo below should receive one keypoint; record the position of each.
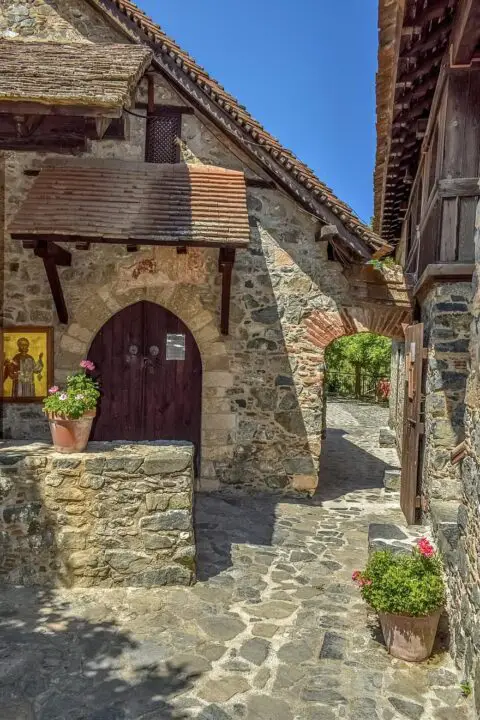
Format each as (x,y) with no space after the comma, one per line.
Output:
(324,327)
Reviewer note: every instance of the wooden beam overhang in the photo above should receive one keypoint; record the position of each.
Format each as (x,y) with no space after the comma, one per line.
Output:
(466,34)
(53,256)
(226,259)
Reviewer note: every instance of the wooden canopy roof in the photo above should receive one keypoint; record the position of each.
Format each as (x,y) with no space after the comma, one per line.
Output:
(414,36)
(198,87)
(78,78)
(112,201)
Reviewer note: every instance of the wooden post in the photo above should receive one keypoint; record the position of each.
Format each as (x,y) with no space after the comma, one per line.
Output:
(56,288)
(52,256)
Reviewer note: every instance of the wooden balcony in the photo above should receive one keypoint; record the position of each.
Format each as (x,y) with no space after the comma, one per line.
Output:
(446,230)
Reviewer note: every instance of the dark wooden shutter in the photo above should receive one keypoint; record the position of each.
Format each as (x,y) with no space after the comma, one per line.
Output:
(163,131)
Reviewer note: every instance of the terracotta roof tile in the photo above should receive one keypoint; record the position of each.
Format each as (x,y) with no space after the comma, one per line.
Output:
(98,76)
(300,172)
(112,200)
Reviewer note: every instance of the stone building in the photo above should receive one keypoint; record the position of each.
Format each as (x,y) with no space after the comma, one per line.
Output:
(427,188)
(147,213)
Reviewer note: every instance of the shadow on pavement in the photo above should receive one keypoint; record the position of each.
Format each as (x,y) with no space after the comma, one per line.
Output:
(55,666)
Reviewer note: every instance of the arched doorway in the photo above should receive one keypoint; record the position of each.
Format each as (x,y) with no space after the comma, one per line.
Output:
(150,370)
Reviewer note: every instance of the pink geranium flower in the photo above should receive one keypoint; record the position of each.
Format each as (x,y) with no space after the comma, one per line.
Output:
(87,365)
(425,548)
(355,575)
(54,389)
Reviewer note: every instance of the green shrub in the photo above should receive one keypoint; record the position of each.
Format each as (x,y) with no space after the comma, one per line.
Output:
(403,584)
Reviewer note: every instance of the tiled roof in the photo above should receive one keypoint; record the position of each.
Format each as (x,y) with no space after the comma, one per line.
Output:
(83,74)
(250,128)
(116,201)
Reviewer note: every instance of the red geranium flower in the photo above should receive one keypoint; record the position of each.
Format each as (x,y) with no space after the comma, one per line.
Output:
(425,547)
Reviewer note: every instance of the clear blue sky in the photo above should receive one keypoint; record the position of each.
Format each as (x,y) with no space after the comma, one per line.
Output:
(305,69)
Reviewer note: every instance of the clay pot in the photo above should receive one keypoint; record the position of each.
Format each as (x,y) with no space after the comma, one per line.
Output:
(409,638)
(71,436)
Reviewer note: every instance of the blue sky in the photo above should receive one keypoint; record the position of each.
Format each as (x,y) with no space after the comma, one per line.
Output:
(304,69)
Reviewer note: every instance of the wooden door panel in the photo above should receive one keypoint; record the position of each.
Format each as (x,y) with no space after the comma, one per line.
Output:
(412,427)
(117,354)
(172,387)
(145,395)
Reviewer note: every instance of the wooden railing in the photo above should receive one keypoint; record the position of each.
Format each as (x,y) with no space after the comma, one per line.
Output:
(445,233)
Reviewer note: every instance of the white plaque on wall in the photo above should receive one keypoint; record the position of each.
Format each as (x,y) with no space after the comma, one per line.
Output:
(175,347)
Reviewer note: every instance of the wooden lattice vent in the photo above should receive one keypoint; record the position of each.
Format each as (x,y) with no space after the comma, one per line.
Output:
(163,133)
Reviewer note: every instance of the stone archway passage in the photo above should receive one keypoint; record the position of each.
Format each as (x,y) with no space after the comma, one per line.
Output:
(150,372)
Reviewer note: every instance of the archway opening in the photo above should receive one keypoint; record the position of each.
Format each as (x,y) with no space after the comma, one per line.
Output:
(356,395)
(150,372)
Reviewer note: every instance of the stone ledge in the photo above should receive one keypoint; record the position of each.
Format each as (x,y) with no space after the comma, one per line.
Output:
(387,438)
(119,514)
(387,536)
(391,479)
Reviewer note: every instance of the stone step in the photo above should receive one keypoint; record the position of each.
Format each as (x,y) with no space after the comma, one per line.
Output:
(387,536)
(391,479)
(387,438)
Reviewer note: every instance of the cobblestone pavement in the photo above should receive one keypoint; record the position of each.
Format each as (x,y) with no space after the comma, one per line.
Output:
(274,629)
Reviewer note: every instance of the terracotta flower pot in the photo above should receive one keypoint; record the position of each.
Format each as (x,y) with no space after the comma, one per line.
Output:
(71,436)
(409,638)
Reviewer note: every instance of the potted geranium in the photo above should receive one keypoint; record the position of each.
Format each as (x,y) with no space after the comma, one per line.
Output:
(408,592)
(71,410)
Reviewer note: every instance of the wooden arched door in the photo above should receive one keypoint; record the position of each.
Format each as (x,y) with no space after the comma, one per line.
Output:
(150,373)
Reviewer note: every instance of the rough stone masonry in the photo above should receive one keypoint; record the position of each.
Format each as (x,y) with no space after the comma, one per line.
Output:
(117,515)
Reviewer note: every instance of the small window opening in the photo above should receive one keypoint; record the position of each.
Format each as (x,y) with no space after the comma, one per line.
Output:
(163,133)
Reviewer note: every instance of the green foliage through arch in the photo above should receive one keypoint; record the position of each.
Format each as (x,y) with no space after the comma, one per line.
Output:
(356,363)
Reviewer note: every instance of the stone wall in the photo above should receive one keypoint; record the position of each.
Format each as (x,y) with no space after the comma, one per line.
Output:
(56,20)
(464,565)
(397,393)
(117,515)
(262,385)
(446,315)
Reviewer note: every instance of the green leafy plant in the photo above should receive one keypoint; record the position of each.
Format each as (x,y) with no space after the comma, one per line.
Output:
(388,262)
(403,584)
(466,689)
(79,396)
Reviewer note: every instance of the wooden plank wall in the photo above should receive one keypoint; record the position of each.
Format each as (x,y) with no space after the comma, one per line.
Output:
(440,220)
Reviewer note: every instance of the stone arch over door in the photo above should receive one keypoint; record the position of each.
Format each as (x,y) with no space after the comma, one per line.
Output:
(89,315)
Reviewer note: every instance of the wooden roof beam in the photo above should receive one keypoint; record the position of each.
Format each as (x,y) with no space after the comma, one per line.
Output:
(466,33)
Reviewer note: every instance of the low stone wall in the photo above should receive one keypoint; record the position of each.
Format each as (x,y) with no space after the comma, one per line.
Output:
(117,515)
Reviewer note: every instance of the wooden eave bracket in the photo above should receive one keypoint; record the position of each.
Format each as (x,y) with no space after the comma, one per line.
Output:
(458,453)
(53,256)
(226,259)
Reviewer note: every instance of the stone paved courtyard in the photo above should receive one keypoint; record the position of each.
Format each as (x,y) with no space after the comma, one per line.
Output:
(273,630)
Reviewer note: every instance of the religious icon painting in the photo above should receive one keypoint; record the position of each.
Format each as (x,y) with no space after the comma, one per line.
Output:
(26,363)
